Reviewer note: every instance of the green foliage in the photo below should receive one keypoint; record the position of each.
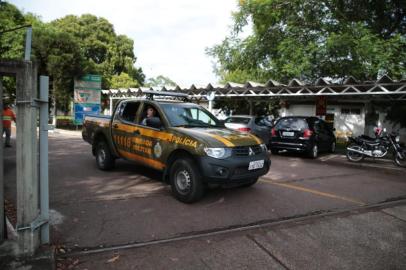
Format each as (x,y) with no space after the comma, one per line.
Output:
(308,39)
(160,81)
(123,81)
(60,57)
(70,47)
(11,43)
(107,53)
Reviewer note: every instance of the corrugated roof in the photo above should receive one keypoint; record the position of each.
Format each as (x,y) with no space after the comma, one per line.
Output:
(322,86)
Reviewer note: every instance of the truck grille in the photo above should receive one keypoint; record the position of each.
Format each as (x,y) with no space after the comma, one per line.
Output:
(243,151)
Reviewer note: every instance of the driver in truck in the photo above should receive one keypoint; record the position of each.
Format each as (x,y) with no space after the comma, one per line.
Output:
(151,112)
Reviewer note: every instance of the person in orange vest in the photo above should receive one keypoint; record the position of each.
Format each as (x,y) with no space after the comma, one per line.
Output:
(8,116)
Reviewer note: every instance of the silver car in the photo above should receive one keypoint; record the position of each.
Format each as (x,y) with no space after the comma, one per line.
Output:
(260,126)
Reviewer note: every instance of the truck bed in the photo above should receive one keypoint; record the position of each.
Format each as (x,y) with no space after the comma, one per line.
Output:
(93,124)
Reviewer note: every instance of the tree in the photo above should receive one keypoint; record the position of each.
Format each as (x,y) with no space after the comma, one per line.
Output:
(59,56)
(308,39)
(107,53)
(123,81)
(160,81)
(11,43)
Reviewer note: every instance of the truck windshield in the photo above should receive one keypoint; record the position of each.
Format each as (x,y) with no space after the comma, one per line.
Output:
(186,115)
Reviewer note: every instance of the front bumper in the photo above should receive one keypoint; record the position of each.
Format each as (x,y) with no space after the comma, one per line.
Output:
(233,170)
(302,146)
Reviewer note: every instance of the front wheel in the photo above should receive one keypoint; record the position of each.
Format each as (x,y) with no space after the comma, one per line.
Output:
(186,183)
(400,158)
(354,156)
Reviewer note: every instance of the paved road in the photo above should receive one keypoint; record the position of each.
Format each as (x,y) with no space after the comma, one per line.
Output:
(93,210)
(364,239)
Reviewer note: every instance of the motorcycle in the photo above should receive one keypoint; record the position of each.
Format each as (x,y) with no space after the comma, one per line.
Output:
(378,147)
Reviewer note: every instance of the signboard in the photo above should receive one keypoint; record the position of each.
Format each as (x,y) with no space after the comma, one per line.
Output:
(321,105)
(87,97)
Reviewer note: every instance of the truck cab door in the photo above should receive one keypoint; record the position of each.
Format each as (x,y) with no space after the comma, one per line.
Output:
(153,139)
(124,129)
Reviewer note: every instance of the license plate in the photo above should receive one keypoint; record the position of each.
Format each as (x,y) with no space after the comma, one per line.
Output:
(258,164)
(288,133)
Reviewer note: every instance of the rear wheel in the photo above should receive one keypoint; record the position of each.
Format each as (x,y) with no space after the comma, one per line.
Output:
(104,159)
(400,159)
(354,156)
(186,183)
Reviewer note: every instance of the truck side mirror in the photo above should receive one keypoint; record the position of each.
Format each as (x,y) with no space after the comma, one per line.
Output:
(154,122)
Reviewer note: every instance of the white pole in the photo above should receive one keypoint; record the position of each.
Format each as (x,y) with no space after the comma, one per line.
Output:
(43,155)
(111,106)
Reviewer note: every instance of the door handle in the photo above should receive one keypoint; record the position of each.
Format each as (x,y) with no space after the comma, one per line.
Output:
(136,132)
(115,126)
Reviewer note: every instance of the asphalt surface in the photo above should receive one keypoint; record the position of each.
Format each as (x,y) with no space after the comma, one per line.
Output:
(127,219)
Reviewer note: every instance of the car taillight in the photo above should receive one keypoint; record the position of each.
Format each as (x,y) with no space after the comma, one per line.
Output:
(307,133)
(244,129)
(273,132)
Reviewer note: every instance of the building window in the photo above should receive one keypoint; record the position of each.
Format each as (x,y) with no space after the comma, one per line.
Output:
(355,111)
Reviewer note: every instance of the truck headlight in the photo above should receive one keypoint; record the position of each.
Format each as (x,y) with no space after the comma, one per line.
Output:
(397,139)
(263,147)
(219,153)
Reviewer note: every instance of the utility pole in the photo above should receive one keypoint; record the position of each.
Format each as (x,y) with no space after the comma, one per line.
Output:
(27,161)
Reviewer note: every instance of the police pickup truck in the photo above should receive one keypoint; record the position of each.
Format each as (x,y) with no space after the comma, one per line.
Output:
(186,142)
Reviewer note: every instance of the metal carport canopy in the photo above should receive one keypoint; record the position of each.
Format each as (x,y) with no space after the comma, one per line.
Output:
(383,89)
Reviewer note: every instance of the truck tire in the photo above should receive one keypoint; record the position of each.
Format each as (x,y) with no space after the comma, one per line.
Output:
(104,159)
(186,183)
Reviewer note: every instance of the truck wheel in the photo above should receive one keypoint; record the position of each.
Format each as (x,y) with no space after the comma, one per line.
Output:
(186,182)
(104,158)
(250,183)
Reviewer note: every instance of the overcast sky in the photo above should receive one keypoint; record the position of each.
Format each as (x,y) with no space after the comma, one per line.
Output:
(170,37)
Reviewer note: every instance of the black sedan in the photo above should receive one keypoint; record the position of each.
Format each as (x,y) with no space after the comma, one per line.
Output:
(307,134)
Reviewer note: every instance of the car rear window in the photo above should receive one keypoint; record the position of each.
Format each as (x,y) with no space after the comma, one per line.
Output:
(238,120)
(292,123)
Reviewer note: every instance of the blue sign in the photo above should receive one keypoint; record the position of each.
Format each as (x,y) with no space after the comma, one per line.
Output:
(84,109)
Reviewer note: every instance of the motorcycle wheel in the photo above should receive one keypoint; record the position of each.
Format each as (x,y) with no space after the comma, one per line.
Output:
(354,156)
(401,161)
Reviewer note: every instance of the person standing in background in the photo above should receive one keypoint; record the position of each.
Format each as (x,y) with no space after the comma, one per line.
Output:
(8,116)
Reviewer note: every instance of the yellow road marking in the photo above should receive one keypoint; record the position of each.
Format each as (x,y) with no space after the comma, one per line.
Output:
(324,194)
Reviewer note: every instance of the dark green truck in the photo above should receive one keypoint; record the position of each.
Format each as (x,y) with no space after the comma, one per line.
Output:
(186,142)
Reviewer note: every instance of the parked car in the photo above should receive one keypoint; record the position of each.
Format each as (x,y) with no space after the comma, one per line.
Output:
(306,134)
(257,125)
